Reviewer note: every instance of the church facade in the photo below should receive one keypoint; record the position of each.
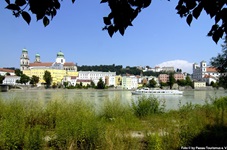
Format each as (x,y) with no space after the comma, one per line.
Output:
(204,73)
(58,69)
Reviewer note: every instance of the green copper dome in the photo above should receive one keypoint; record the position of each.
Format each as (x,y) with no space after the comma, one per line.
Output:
(24,50)
(60,54)
(37,55)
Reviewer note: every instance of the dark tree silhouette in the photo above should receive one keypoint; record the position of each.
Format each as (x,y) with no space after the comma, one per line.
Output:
(24,79)
(47,77)
(100,84)
(152,83)
(123,12)
(18,72)
(220,62)
(34,80)
(171,80)
(1,78)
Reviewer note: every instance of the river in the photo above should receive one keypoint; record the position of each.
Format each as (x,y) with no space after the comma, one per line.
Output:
(98,96)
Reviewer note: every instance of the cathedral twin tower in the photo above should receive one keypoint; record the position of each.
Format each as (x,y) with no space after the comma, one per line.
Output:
(60,62)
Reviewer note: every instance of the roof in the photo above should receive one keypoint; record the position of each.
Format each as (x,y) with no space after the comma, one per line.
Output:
(209,76)
(6,70)
(69,64)
(73,77)
(211,69)
(47,64)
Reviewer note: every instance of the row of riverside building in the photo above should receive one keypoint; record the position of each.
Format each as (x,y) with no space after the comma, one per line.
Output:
(63,71)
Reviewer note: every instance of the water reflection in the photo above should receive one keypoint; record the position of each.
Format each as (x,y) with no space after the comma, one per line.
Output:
(99,96)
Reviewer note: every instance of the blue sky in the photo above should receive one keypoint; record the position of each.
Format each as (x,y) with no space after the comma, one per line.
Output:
(158,35)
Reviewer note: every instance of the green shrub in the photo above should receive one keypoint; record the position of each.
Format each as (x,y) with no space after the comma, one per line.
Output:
(146,106)
(221,105)
(76,126)
(114,109)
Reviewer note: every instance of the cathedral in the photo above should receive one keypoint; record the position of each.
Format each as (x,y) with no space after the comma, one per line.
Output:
(59,63)
(58,69)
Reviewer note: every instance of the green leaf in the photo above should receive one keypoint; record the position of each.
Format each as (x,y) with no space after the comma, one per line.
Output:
(7,1)
(111,30)
(215,37)
(57,5)
(26,17)
(13,7)
(190,4)
(53,13)
(189,19)
(217,18)
(106,20)
(146,3)
(197,11)
(73,1)
(40,15)
(20,2)
(214,27)
(104,1)
(46,21)
(122,30)
(224,14)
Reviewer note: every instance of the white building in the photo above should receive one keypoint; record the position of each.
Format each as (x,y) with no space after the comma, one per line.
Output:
(110,80)
(96,75)
(71,80)
(199,84)
(155,69)
(11,80)
(168,69)
(159,69)
(129,82)
(4,72)
(205,73)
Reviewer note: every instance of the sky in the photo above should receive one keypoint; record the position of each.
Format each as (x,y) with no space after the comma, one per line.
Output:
(159,37)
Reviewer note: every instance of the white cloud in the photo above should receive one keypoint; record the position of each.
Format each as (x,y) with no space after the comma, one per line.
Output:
(184,65)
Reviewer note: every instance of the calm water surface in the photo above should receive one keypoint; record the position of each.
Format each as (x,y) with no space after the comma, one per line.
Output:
(99,96)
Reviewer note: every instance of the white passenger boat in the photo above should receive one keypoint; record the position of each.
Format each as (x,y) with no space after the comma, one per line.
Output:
(156,91)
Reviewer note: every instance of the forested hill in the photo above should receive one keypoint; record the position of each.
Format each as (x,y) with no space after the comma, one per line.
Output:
(115,68)
(112,68)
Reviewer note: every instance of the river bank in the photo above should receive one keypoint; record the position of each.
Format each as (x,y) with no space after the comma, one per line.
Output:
(208,88)
(62,124)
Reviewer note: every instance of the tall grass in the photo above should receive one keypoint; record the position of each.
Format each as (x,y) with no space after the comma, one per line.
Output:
(77,125)
(145,106)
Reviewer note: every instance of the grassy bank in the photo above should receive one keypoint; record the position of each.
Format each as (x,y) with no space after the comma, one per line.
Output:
(60,124)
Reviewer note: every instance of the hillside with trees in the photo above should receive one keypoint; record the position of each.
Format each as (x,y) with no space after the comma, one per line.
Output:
(112,68)
(119,70)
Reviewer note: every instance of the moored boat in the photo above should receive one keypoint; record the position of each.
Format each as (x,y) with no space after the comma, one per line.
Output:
(156,91)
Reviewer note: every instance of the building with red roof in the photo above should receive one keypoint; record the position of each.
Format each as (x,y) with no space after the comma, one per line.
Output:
(205,73)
